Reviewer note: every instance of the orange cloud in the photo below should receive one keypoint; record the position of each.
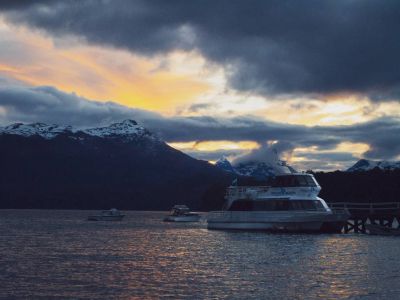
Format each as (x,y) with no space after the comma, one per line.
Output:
(100,73)
(216,145)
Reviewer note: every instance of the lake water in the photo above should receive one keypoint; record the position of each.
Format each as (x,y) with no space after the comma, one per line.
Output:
(58,254)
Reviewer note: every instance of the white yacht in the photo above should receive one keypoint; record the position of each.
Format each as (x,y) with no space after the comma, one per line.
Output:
(181,213)
(289,204)
(107,215)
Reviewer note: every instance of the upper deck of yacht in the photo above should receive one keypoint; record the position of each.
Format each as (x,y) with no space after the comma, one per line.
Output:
(294,180)
(285,185)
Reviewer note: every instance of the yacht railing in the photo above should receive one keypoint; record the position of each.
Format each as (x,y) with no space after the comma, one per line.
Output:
(235,216)
(245,191)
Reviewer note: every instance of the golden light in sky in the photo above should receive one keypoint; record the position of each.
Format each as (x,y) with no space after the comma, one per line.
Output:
(159,83)
(168,84)
(173,84)
(216,145)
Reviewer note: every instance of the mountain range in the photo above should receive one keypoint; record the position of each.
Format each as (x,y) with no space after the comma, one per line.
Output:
(122,165)
(367,165)
(126,166)
(264,170)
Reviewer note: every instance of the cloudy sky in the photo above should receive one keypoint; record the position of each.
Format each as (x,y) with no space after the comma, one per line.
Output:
(317,80)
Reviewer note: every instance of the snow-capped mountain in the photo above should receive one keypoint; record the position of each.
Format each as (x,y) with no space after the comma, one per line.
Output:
(44,130)
(128,130)
(366,165)
(224,164)
(122,165)
(257,169)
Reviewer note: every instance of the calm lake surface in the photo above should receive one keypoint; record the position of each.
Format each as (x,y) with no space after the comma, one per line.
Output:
(58,254)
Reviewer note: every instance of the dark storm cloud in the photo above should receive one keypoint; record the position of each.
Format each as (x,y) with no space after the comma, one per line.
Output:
(213,155)
(200,107)
(330,156)
(268,47)
(17,4)
(49,105)
(382,134)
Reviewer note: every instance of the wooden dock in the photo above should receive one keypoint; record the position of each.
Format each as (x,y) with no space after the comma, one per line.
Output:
(382,213)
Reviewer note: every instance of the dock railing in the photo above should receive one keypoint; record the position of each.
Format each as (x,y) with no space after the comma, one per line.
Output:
(366,208)
(361,214)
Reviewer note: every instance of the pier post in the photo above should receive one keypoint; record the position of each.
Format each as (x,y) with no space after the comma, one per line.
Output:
(380,213)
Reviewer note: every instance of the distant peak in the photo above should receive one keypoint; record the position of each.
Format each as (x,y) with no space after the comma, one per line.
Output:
(129,129)
(13,126)
(41,129)
(223,158)
(128,122)
(224,164)
(366,165)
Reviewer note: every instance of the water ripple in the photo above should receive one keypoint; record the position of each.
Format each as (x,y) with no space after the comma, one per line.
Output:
(58,254)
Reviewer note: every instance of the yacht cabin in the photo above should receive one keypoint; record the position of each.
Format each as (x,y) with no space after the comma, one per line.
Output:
(288,192)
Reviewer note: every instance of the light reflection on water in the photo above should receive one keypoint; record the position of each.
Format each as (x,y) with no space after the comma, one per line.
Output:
(60,254)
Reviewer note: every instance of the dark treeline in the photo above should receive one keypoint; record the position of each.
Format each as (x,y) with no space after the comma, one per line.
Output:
(367,186)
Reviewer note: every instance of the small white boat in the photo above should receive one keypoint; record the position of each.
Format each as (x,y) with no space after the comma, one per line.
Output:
(107,215)
(181,213)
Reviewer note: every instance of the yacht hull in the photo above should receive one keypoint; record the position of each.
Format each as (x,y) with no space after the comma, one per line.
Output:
(265,226)
(277,222)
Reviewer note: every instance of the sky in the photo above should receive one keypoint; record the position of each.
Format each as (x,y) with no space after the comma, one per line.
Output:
(319,81)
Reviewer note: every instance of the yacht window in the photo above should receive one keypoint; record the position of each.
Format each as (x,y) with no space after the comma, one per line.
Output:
(306,205)
(319,205)
(296,205)
(302,180)
(282,205)
(277,181)
(269,205)
(272,205)
(242,205)
(310,181)
(284,181)
(293,181)
(276,205)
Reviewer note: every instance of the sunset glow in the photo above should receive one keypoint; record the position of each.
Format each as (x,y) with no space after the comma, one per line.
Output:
(183,79)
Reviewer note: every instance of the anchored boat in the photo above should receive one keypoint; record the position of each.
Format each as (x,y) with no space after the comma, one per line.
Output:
(181,213)
(289,204)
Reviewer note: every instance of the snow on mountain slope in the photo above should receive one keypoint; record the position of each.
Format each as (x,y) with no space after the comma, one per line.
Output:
(128,129)
(44,130)
(257,169)
(224,164)
(366,165)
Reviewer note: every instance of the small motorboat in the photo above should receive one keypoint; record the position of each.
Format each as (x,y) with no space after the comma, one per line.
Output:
(375,229)
(107,215)
(181,213)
